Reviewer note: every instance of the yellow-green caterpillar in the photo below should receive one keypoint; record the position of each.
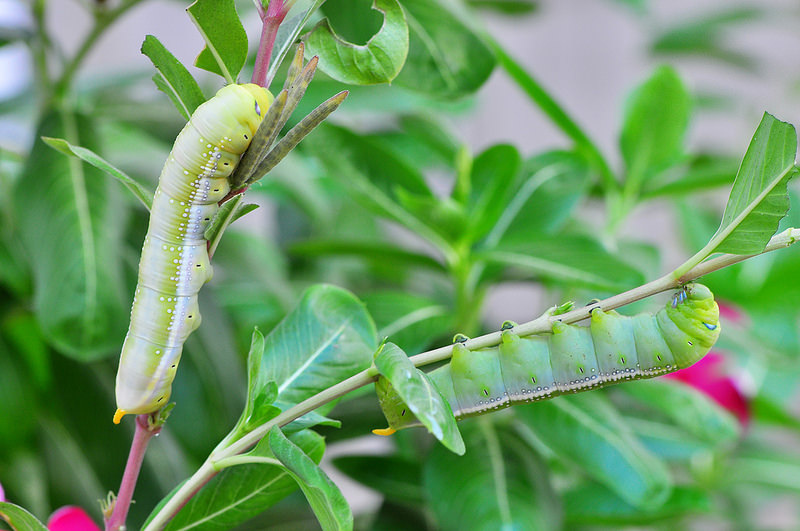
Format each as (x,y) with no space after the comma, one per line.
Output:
(572,358)
(175,263)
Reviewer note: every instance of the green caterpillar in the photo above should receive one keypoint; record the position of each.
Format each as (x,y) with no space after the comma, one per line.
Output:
(612,349)
(174,263)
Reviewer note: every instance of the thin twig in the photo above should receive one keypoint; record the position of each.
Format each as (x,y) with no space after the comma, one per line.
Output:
(367,376)
(144,432)
(270,22)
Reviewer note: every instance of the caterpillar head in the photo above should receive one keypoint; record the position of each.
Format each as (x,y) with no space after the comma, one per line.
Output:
(694,310)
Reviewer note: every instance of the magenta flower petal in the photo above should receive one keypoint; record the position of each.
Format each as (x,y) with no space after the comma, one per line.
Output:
(710,378)
(2,494)
(729,312)
(71,518)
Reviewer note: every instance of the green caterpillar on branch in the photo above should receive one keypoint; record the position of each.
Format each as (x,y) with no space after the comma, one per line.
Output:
(175,263)
(612,349)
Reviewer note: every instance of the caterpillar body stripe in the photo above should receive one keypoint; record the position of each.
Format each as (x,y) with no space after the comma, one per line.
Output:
(174,263)
(613,348)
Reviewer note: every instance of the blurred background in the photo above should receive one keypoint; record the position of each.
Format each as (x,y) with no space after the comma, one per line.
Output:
(734,464)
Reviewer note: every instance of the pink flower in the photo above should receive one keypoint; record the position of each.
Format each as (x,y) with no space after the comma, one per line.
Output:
(2,494)
(71,518)
(709,377)
(729,312)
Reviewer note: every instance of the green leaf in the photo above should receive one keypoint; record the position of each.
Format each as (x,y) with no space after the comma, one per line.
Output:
(654,127)
(497,484)
(420,395)
(328,337)
(377,61)
(491,185)
(552,186)
(288,31)
(584,431)
(322,494)
(19,519)
(397,478)
(261,395)
(704,36)
(688,408)
(445,58)
(570,259)
(172,78)
(134,187)
(367,250)
(410,321)
(595,505)
(226,40)
(758,198)
(506,7)
(241,492)
(72,223)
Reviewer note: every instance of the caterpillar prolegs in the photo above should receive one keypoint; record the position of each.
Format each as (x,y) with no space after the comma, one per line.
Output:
(613,348)
(174,263)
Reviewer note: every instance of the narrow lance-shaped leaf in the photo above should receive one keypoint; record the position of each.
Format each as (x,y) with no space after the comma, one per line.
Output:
(419,394)
(20,519)
(172,78)
(72,221)
(138,190)
(497,484)
(297,133)
(262,140)
(226,40)
(241,492)
(377,61)
(586,432)
(322,494)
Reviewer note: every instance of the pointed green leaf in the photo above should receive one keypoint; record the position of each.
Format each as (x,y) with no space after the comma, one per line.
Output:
(758,198)
(137,189)
(656,120)
(322,494)
(595,505)
(397,478)
(328,337)
(226,40)
(19,519)
(570,259)
(585,431)
(172,78)
(241,492)
(377,61)
(688,408)
(420,395)
(445,58)
(497,484)
(492,182)
(72,223)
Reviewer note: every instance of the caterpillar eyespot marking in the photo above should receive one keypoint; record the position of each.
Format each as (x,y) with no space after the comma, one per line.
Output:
(612,349)
(174,262)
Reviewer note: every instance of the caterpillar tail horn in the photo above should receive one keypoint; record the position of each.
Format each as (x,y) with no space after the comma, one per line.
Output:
(384,431)
(118,414)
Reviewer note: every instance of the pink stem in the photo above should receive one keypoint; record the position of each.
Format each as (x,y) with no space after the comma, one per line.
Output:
(270,22)
(141,437)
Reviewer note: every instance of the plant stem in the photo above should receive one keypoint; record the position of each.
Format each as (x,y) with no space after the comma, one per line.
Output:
(270,22)
(144,432)
(365,377)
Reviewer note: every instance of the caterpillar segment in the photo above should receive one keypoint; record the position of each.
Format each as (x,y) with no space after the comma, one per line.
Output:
(174,264)
(612,349)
